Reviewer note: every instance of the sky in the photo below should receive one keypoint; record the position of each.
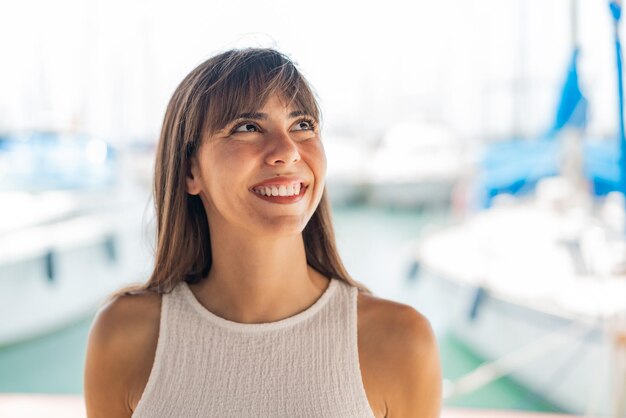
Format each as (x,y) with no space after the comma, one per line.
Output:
(487,69)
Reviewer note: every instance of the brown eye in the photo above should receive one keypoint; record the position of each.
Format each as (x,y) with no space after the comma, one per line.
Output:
(306,125)
(247,127)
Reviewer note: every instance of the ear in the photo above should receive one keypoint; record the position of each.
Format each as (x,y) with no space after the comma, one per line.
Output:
(192,177)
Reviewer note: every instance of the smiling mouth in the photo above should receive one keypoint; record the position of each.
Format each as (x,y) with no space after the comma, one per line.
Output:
(283,199)
(269,190)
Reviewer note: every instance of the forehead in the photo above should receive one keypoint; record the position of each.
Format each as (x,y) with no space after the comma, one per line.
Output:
(276,101)
(274,104)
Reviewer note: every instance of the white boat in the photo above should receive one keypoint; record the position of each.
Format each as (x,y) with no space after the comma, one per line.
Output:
(63,251)
(538,288)
(415,165)
(347,159)
(537,285)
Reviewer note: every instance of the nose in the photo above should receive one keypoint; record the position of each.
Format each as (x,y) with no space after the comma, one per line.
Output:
(283,149)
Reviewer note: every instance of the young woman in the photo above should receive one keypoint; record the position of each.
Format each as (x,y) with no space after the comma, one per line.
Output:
(249,311)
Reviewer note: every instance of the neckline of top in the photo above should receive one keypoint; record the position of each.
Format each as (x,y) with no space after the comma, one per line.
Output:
(266,326)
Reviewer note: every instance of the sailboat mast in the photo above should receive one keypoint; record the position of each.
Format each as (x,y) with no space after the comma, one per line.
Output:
(574,24)
(616,12)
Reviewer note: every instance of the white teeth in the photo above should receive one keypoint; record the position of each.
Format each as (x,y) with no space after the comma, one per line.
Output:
(291,190)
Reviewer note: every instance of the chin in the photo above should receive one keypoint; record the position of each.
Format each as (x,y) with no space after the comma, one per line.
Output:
(281,226)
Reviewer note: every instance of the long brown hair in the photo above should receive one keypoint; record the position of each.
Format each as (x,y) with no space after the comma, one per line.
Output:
(205,101)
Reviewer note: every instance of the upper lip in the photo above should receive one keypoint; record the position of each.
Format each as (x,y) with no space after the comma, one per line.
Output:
(281,181)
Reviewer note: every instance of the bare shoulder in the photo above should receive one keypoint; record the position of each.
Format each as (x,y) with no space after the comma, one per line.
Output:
(402,356)
(120,352)
(391,316)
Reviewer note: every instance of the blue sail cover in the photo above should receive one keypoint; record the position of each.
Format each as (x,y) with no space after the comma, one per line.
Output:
(572,110)
(516,165)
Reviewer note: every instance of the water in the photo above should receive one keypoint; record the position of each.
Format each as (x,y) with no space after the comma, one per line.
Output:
(374,246)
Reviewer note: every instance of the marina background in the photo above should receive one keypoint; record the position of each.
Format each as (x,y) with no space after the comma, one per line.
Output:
(450,128)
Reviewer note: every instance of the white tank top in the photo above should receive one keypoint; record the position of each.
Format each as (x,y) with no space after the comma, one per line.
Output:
(305,366)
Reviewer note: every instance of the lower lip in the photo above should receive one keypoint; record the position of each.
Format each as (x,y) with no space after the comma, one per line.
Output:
(283,199)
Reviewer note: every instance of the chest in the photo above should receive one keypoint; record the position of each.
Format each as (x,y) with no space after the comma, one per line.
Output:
(323,368)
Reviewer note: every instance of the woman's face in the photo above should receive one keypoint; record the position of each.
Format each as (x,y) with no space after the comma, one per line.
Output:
(276,141)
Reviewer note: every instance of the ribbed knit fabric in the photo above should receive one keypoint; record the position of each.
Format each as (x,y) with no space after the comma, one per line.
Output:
(305,366)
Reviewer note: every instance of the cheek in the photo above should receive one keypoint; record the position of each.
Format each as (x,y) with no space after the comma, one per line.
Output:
(316,160)
(320,159)
(228,162)
(217,176)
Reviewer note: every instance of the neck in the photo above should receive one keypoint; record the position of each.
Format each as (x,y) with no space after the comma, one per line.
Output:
(257,280)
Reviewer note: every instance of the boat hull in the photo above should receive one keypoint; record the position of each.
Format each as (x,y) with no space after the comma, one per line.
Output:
(575,374)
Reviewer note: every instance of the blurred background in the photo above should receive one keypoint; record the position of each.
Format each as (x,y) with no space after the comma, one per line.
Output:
(475,167)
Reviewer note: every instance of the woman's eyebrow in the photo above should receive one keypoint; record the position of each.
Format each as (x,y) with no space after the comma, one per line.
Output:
(263,116)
